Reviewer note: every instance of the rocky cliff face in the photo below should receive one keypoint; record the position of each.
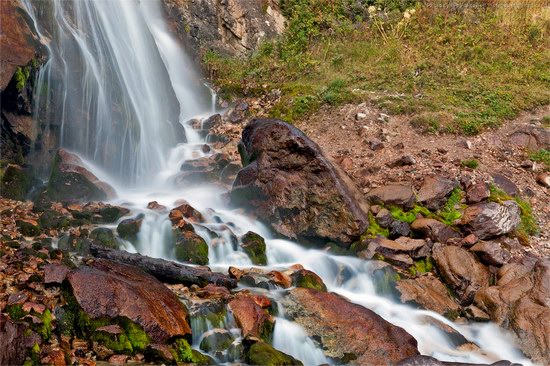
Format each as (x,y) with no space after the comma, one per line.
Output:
(234,27)
(20,59)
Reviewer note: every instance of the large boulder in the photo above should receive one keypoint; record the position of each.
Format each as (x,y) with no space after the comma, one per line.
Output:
(108,289)
(17,182)
(401,195)
(349,331)
(437,231)
(520,301)
(430,293)
(289,182)
(461,271)
(70,180)
(490,219)
(251,318)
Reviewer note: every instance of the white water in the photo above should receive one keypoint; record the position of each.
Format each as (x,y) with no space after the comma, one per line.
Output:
(118,85)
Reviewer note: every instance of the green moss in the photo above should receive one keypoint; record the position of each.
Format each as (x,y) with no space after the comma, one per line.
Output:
(409,216)
(184,353)
(116,342)
(452,315)
(309,280)
(15,311)
(45,329)
(190,247)
(34,356)
(421,266)
(265,355)
(470,163)
(374,229)
(450,212)
(21,76)
(254,246)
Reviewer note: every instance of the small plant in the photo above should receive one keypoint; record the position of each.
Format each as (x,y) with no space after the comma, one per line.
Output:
(374,229)
(470,163)
(449,213)
(541,156)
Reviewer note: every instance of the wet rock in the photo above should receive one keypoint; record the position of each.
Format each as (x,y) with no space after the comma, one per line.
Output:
(400,195)
(435,230)
(110,214)
(430,293)
(504,183)
(155,206)
(109,290)
(348,331)
(160,353)
(491,253)
(251,318)
(212,121)
(15,341)
(216,340)
(520,301)
(434,191)
(190,247)
(307,279)
(430,361)
(185,210)
(129,228)
(487,220)
(55,274)
(263,354)
(478,192)
(411,247)
(254,246)
(70,180)
(461,271)
(52,219)
(105,237)
(17,182)
(289,182)
(476,314)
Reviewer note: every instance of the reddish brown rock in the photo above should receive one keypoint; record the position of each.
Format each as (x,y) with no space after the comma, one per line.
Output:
(435,190)
(185,211)
(435,230)
(55,274)
(477,192)
(250,317)
(428,292)
(520,301)
(15,341)
(491,253)
(349,330)
(401,195)
(289,182)
(461,271)
(109,289)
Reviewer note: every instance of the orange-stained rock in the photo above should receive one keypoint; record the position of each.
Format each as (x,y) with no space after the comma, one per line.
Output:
(109,289)
(349,330)
(250,317)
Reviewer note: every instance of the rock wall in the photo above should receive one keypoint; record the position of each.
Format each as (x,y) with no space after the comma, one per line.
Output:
(233,27)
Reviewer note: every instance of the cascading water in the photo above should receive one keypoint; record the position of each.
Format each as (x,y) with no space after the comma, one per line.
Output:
(119,86)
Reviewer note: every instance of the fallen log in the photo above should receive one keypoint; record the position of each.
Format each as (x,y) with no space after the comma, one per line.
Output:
(164,270)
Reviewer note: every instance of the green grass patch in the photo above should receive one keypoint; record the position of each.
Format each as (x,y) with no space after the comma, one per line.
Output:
(541,156)
(470,163)
(409,216)
(451,71)
(374,229)
(451,211)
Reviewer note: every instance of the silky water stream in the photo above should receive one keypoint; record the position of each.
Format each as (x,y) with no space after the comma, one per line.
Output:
(121,90)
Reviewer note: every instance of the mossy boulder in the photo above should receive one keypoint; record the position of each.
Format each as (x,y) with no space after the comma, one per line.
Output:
(254,246)
(264,354)
(129,228)
(52,219)
(190,247)
(184,353)
(104,237)
(307,279)
(73,243)
(111,214)
(70,180)
(216,340)
(17,182)
(28,227)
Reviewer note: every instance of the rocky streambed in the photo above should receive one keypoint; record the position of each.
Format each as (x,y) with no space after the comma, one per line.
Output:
(75,291)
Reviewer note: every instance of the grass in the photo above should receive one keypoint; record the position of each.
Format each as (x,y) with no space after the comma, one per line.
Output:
(452,71)
(470,163)
(541,156)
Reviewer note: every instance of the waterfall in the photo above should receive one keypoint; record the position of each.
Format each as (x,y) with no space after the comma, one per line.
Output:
(116,84)
(121,91)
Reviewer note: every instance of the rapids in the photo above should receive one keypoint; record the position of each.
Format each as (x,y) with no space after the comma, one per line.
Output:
(121,90)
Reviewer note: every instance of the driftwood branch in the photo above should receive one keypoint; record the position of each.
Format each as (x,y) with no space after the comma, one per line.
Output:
(165,271)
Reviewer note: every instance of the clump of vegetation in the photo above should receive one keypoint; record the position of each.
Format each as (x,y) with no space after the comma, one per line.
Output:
(374,229)
(421,266)
(452,68)
(541,156)
(21,76)
(409,216)
(470,163)
(450,212)
(546,121)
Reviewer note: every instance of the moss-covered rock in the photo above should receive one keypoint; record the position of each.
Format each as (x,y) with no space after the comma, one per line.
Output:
(254,246)
(17,182)
(129,228)
(184,353)
(28,227)
(51,219)
(307,279)
(105,237)
(190,247)
(263,354)
(216,340)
